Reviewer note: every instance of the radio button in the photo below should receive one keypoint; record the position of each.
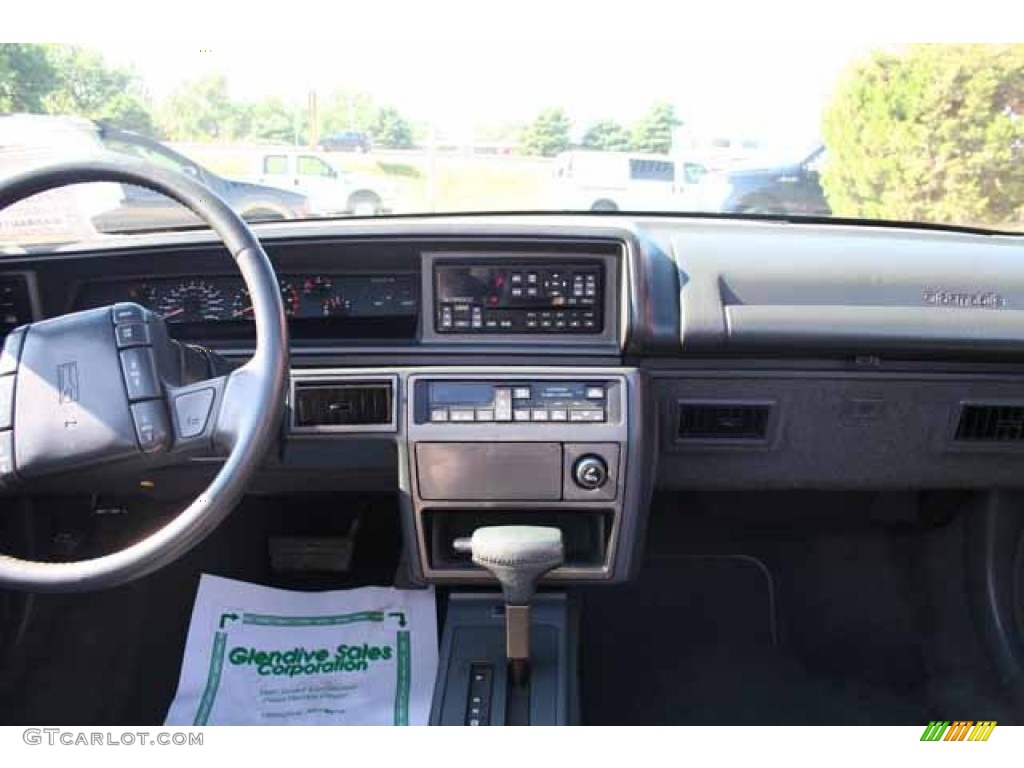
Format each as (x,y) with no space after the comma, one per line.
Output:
(485,414)
(595,393)
(540,414)
(463,414)
(586,414)
(559,414)
(502,404)
(439,414)
(521,393)
(521,414)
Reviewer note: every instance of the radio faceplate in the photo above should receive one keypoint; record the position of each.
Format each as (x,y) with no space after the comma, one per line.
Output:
(538,402)
(519,297)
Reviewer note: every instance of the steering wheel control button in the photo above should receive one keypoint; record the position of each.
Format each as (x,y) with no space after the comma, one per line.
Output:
(132,335)
(6,401)
(129,313)
(590,472)
(6,456)
(12,351)
(151,427)
(193,411)
(139,369)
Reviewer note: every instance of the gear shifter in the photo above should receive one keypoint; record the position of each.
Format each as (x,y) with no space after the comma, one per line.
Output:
(517,556)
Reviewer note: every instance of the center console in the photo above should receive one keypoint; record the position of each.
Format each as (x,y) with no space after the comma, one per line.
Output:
(551,446)
(496,459)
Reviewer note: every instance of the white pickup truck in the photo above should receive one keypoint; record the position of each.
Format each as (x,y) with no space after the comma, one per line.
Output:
(329,189)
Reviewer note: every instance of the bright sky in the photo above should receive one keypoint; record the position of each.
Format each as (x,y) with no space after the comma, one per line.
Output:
(746,66)
(768,91)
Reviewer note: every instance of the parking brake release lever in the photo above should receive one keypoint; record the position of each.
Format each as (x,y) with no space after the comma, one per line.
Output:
(517,556)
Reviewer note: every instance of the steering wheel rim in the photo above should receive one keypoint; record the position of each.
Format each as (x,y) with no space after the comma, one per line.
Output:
(251,400)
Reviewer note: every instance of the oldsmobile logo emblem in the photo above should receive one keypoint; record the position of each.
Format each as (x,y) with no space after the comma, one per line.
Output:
(964,299)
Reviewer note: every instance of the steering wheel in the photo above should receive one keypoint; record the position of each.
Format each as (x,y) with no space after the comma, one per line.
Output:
(109,386)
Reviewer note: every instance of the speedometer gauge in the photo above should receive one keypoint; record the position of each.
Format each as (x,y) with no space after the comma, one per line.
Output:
(192,301)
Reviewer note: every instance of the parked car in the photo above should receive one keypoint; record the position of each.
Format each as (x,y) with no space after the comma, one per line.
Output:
(133,208)
(627,181)
(346,141)
(330,189)
(791,188)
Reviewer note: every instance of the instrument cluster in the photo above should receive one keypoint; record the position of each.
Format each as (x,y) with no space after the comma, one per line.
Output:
(225,299)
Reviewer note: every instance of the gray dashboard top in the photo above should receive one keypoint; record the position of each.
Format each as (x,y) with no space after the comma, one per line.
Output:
(715,285)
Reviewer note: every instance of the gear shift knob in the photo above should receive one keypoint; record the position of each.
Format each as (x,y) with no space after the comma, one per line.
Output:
(517,556)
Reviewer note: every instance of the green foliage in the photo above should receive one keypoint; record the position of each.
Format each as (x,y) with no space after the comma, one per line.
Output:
(548,134)
(68,80)
(391,130)
(348,111)
(271,120)
(607,135)
(86,86)
(931,133)
(653,132)
(26,77)
(201,110)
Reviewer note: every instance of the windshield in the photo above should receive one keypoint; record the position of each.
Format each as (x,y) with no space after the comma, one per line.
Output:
(911,133)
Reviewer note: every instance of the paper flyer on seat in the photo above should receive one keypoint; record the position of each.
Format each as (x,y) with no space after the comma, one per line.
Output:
(262,656)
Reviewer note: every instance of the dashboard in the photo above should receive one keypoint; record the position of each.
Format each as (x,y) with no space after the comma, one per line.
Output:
(496,365)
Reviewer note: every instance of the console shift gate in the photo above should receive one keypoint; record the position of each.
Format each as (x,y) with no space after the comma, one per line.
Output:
(517,556)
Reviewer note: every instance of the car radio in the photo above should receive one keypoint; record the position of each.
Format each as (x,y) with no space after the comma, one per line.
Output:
(519,297)
(536,402)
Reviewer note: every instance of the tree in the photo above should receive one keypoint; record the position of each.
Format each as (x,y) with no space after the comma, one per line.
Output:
(391,130)
(86,86)
(26,76)
(274,121)
(346,110)
(606,135)
(929,133)
(548,134)
(201,110)
(653,131)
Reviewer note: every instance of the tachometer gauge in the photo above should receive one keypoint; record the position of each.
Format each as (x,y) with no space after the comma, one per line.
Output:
(241,304)
(192,301)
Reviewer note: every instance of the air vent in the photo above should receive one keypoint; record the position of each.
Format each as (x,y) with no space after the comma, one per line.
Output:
(342,405)
(723,421)
(991,423)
